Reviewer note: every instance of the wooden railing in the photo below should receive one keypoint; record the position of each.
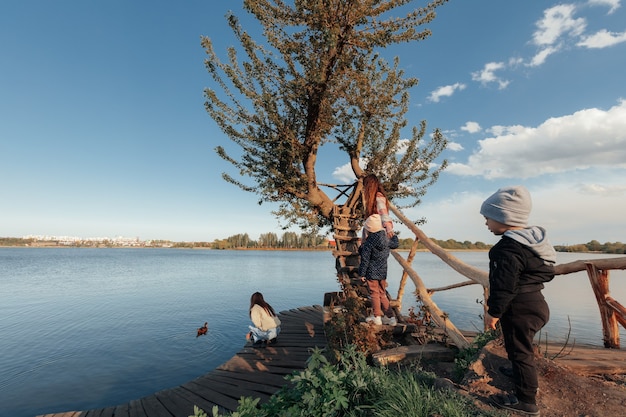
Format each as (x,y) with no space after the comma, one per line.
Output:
(612,312)
(347,223)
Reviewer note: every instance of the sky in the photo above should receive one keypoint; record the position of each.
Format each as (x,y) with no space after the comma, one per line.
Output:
(103,131)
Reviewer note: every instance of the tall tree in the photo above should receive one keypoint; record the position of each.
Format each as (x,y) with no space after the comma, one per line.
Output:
(318,79)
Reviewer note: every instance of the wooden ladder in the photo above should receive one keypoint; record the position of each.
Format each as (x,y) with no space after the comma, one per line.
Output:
(346,225)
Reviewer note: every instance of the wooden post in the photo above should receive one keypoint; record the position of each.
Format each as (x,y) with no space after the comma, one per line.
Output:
(618,309)
(600,283)
(409,260)
(438,316)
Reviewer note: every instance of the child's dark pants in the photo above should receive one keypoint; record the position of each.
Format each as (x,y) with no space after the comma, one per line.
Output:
(526,315)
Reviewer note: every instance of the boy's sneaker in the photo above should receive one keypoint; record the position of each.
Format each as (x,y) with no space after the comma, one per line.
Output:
(375,320)
(390,321)
(525,409)
(511,403)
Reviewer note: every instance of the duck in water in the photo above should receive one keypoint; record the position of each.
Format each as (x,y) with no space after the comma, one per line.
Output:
(202,330)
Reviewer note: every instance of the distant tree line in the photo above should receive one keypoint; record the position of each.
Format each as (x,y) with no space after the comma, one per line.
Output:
(288,240)
(292,240)
(14,241)
(449,244)
(182,245)
(594,246)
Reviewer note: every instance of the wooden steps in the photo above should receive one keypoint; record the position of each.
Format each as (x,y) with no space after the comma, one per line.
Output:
(583,360)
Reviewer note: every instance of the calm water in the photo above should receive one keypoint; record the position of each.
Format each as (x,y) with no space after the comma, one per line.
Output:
(90,328)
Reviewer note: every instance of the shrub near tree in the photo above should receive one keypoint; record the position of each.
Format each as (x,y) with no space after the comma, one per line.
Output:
(350,387)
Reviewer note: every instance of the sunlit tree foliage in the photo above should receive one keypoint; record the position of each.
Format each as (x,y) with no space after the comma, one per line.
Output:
(316,77)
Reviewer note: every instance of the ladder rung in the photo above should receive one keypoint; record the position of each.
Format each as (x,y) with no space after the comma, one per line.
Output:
(346,238)
(347,216)
(340,227)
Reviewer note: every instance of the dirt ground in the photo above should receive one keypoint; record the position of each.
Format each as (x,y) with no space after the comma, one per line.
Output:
(562,392)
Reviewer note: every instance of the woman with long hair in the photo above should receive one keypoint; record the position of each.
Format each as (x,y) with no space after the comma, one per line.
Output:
(375,202)
(266,323)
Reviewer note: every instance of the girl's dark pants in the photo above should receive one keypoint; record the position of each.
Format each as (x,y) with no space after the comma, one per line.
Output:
(526,315)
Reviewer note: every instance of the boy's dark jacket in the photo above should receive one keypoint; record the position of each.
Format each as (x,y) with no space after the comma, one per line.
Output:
(374,253)
(518,264)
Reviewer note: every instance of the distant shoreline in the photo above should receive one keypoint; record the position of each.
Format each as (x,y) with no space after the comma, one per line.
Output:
(242,249)
(207,248)
(101,246)
(592,247)
(164,247)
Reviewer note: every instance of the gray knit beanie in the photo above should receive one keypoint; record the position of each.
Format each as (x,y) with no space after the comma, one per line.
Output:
(508,205)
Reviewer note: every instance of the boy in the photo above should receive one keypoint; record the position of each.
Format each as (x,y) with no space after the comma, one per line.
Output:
(373,267)
(519,264)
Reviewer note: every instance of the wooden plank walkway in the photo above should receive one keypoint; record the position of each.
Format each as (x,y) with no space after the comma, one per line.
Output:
(253,372)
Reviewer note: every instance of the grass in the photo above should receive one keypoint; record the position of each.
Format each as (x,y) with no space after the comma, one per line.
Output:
(350,387)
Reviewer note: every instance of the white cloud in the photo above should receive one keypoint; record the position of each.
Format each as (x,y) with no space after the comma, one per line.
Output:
(558,21)
(455,216)
(445,91)
(587,138)
(454,146)
(612,4)
(487,75)
(471,127)
(603,190)
(541,56)
(344,174)
(499,130)
(571,211)
(555,31)
(577,212)
(602,39)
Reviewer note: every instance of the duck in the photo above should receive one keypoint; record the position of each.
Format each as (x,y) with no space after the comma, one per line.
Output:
(202,330)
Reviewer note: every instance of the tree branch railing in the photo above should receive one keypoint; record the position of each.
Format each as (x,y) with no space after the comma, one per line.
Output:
(475,274)
(611,311)
(438,316)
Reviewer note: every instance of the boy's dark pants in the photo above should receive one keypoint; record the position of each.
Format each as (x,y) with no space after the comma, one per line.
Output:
(526,315)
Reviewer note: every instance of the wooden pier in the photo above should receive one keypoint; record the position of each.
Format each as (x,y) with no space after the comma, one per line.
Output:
(260,372)
(252,372)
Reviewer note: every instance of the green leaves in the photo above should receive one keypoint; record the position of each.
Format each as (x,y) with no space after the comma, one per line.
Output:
(465,357)
(352,388)
(313,79)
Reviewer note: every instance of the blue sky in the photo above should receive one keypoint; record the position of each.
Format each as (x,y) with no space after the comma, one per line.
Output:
(103,131)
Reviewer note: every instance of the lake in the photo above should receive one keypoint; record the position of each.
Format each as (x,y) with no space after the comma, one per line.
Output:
(88,328)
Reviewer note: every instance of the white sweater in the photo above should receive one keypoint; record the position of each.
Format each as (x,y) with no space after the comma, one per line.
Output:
(262,320)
